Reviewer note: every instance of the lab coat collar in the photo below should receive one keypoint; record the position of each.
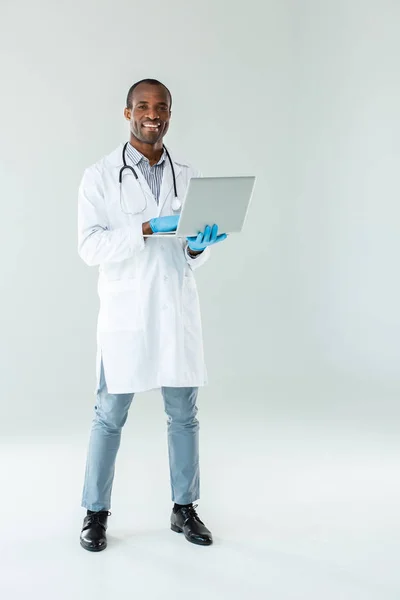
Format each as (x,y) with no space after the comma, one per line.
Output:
(114,159)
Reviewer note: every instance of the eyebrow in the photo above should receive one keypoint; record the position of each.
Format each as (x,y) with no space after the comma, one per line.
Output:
(145,102)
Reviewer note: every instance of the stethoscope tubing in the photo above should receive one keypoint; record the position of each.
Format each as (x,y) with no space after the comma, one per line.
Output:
(126,166)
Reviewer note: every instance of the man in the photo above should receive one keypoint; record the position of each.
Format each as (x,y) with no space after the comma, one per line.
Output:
(149,328)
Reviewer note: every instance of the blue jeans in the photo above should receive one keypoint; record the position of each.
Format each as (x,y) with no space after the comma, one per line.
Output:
(111,412)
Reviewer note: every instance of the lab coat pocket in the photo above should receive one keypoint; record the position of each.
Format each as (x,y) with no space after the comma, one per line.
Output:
(189,283)
(190,301)
(120,306)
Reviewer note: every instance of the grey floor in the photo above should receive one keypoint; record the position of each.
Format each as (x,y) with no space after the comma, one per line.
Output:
(300,507)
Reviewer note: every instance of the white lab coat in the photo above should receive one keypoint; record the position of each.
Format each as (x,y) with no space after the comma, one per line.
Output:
(149,326)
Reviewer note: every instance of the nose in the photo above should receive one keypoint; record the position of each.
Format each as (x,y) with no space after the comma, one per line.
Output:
(152,114)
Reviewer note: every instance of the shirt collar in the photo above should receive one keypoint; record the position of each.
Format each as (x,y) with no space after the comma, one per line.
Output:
(135,156)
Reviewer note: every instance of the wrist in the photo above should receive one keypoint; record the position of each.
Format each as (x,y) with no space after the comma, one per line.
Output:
(146,228)
(193,253)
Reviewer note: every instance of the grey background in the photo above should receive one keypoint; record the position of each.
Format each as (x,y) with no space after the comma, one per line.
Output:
(303,94)
(300,422)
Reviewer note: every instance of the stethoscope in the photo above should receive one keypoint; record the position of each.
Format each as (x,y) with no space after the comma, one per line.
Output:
(176,204)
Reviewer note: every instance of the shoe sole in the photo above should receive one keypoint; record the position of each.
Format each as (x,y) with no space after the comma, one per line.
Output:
(89,549)
(179,530)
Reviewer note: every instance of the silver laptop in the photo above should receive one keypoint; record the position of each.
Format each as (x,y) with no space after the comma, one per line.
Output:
(221,200)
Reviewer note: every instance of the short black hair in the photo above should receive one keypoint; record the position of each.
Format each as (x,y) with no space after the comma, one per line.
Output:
(149,82)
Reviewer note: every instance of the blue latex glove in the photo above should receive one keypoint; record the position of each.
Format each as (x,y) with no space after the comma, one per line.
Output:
(208,237)
(164,224)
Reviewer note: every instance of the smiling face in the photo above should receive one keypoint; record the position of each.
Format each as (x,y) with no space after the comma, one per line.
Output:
(149,114)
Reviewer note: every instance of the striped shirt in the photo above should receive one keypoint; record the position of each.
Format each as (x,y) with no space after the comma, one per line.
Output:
(153,175)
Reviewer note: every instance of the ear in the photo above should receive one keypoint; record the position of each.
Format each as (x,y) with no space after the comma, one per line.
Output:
(127,113)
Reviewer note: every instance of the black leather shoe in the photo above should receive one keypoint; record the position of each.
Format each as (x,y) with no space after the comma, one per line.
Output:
(93,534)
(187,520)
